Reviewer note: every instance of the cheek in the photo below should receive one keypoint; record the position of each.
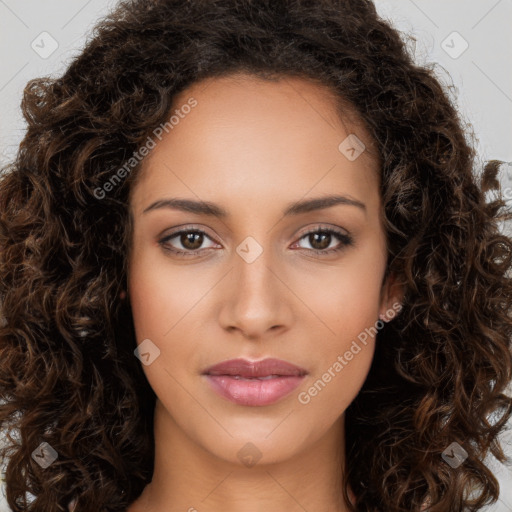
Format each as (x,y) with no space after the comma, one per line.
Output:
(161,297)
(328,393)
(159,312)
(348,309)
(165,303)
(344,354)
(344,299)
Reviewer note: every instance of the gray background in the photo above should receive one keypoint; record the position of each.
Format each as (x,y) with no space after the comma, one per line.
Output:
(470,43)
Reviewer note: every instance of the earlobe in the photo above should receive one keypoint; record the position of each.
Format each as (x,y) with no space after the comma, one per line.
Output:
(391,312)
(383,317)
(392,298)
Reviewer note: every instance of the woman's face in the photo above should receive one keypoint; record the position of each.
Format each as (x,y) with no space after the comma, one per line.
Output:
(256,282)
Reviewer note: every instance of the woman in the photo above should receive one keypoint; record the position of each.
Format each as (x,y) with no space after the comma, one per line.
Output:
(246,263)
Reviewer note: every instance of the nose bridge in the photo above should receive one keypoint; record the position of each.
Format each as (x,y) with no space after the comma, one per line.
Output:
(253,269)
(256,301)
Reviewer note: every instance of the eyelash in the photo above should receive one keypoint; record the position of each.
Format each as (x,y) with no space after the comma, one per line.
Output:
(345,239)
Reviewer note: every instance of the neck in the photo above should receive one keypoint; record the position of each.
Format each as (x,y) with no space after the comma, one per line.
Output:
(189,478)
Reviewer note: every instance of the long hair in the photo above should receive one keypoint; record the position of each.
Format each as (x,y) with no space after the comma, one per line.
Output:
(68,375)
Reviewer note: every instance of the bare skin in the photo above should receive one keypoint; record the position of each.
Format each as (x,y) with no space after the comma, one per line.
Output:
(254,148)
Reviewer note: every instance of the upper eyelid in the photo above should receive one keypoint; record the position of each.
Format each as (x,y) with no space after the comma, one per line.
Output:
(185,229)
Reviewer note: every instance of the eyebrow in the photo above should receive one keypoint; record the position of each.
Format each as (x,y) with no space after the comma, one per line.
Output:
(214,210)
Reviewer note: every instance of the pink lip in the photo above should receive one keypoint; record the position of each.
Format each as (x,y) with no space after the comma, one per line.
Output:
(240,380)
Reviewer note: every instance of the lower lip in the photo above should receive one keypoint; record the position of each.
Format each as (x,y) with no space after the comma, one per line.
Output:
(254,392)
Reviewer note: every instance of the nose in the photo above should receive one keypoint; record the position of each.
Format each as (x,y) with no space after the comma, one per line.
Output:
(257,302)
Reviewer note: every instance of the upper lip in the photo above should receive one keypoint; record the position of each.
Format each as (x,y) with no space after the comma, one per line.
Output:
(263,368)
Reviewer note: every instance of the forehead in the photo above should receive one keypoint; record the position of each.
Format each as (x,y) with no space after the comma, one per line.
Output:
(266,137)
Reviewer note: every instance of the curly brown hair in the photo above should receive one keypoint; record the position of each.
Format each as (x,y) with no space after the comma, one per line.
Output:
(69,376)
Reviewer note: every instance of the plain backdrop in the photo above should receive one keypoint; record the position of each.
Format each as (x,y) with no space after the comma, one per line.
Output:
(469,43)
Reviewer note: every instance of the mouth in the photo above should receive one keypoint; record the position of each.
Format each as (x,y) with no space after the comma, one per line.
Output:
(254,383)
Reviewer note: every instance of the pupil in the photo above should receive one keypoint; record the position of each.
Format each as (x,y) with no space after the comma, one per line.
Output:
(192,240)
(324,243)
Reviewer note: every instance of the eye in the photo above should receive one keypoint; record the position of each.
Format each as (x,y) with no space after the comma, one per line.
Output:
(320,240)
(190,241)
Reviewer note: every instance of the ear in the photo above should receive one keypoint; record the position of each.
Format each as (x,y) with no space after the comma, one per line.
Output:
(392,296)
